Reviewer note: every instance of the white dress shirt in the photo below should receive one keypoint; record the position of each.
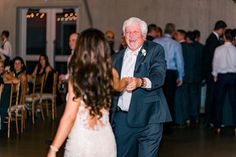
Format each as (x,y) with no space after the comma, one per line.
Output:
(217,35)
(224,60)
(127,70)
(7,49)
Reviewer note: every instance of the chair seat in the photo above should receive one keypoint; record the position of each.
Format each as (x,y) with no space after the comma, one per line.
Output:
(46,96)
(19,107)
(30,98)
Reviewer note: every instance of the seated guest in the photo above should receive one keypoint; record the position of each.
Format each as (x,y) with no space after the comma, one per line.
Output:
(44,68)
(14,76)
(18,74)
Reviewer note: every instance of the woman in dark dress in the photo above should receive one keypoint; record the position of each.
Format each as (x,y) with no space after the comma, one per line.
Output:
(44,68)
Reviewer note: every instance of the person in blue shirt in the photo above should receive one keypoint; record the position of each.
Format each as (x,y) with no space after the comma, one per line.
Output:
(175,65)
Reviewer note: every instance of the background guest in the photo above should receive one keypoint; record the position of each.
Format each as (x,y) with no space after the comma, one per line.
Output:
(175,66)
(44,68)
(212,42)
(224,72)
(110,36)
(152,32)
(72,43)
(6,48)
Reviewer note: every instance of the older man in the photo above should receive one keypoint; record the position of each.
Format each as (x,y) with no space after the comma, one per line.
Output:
(138,113)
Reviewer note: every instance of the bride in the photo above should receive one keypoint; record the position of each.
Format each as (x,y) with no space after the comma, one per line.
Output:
(85,120)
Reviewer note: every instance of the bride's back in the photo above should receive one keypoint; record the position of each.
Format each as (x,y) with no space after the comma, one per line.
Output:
(91,135)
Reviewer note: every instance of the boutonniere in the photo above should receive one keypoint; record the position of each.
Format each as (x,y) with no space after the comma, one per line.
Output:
(144,52)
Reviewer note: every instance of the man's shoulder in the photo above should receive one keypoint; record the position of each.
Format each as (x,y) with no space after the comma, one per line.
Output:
(211,39)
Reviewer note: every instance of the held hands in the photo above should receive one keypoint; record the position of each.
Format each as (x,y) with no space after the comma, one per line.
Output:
(127,83)
(133,83)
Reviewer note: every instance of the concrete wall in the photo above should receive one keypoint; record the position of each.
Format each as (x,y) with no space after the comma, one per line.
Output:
(110,14)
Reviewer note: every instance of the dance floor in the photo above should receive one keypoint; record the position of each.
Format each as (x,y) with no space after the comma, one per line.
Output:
(183,142)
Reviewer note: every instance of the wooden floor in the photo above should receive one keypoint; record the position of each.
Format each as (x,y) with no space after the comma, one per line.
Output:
(183,142)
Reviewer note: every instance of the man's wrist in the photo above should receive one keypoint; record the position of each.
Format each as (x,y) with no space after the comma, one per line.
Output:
(142,82)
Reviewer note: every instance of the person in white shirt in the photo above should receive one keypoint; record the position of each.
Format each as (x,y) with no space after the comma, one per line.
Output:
(6,48)
(224,73)
(72,44)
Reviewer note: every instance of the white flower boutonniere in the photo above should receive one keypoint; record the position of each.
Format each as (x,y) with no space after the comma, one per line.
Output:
(144,52)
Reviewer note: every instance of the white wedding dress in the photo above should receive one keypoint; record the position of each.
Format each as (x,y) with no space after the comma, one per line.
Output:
(84,141)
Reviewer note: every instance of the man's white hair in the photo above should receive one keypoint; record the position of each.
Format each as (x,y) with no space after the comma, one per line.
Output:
(132,20)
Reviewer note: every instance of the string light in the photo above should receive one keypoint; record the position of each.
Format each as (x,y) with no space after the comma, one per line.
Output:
(67,15)
(42,15)
(33,13)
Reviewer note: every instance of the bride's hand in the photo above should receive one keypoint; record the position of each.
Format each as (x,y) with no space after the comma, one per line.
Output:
(118,85)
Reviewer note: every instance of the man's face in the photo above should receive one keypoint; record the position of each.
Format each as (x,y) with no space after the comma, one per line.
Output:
(221,32)
(110,37)
(155,34)
(179,37)
(133,36)
(72,41)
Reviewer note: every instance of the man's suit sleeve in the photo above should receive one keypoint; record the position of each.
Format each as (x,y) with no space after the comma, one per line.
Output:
(157,67)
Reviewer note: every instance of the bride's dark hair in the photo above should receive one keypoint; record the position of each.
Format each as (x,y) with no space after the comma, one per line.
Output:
(91,71)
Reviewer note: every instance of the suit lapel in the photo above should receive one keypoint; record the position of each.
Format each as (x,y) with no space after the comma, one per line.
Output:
(140,56)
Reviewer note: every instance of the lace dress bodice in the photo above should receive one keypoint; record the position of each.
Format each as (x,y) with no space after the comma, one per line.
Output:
(86,140)
(84,118)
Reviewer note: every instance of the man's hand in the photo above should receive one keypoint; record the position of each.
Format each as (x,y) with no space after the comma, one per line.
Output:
(133,83)
(179,83)
(215,78)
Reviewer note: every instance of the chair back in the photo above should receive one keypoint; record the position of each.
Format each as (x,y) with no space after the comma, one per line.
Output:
(1,88)
(14,95)
(54,88)
(38,85)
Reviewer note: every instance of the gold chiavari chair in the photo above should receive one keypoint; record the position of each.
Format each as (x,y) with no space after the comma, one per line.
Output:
(49,99)
(1,87)
(14,112)
(33,101)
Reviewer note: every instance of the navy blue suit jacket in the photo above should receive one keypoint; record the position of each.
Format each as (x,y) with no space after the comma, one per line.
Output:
(208,53)
(147,105)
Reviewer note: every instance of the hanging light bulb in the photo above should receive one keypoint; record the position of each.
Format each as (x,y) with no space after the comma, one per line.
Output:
(32,15)
(42,15)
